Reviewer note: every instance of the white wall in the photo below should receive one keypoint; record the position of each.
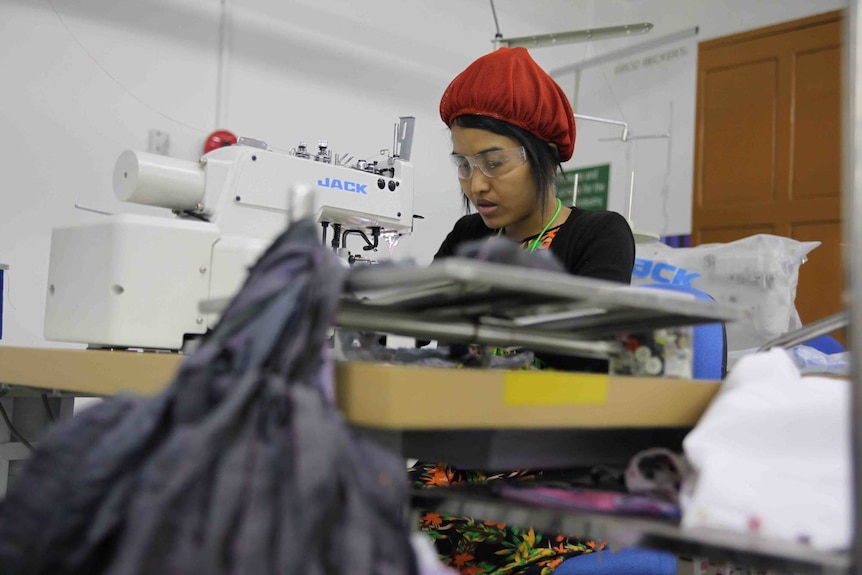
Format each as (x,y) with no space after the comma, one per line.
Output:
(655,94)
(82,80)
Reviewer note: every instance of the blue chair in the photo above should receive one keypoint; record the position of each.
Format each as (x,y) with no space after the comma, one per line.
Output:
(709,362)
(825,344)
(710,340)
(631,561)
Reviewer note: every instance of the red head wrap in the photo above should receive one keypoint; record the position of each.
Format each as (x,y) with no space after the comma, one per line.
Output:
(508,85)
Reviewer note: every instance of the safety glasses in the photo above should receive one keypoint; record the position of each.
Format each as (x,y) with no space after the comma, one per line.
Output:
(493,163)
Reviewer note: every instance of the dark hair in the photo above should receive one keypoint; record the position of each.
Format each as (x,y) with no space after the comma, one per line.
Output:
(544,159)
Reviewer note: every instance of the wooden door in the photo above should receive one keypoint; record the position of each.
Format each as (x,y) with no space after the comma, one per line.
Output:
(768,147)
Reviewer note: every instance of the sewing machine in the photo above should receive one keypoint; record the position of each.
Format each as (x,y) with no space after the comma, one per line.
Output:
(137,281)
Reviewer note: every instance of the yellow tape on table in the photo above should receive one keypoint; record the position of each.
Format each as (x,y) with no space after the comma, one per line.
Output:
(551,388)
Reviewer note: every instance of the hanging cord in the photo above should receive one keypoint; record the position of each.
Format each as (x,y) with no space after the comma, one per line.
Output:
(11,427)
(49,412)
(114,79)
(534,245)
(496,22)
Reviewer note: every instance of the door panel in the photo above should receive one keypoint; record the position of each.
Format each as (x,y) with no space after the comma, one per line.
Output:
(817,124)
(739,133)
(768,147)
(822,263)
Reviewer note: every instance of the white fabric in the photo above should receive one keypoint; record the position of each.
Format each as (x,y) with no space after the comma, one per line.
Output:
(771,455)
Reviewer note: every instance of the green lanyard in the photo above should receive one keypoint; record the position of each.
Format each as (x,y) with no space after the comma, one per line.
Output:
(534,245)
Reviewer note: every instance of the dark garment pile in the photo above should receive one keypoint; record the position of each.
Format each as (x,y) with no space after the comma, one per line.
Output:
(240,466)
(504,251)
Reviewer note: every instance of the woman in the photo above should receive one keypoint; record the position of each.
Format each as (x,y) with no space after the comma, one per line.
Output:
(512,126)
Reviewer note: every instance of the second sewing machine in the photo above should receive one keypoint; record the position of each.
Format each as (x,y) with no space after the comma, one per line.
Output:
(137,281)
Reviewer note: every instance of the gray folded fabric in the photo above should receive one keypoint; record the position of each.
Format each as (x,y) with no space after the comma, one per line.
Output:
(240,466)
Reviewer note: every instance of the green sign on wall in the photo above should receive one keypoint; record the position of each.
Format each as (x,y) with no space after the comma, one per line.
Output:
(593,185)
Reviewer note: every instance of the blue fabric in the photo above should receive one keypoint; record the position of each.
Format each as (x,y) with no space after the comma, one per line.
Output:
(683,241)
(710,340)
(825,344)
(632,561)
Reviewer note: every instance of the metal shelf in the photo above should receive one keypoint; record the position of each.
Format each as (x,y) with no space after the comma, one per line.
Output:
(457,295)
(625,531)
(462,300)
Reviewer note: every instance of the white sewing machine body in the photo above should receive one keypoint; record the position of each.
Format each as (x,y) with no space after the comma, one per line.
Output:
(137,281)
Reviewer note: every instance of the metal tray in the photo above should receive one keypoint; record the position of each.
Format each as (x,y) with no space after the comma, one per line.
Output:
(462,300)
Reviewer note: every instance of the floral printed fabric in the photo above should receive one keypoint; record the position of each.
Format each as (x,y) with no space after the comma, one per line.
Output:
(478,547)
(484,547)
(546,240)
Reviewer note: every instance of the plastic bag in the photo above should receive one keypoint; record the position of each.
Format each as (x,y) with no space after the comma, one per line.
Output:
(759,273)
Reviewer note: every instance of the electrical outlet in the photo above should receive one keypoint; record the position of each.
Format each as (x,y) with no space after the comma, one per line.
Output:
(158,142)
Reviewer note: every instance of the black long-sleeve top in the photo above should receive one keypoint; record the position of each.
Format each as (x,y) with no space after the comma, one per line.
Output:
(595,244)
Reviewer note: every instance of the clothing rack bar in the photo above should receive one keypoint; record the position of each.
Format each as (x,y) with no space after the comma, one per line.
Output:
(806,333)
